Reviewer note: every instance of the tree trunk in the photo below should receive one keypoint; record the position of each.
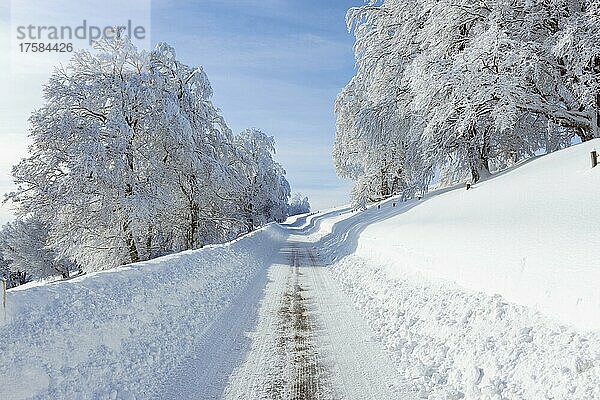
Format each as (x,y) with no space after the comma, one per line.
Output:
(479,159)
(593,131)
(596,118)
(194,222)
(149,242)
(385,190)
(479,170)
(131,246)
(249,217)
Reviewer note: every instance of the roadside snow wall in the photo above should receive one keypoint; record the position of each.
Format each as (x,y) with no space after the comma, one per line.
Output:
(115,333)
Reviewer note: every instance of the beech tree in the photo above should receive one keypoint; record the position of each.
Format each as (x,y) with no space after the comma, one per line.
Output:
(463,88)
(131,160)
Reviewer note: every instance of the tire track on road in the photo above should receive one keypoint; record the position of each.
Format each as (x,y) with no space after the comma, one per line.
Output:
(310,343)
(284,362)
(310,376)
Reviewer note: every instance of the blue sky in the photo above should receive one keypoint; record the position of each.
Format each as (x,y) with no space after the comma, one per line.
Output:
(275,65)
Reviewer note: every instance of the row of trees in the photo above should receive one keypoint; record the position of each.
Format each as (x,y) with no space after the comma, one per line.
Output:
(298,205)
(131,160)
(459,88)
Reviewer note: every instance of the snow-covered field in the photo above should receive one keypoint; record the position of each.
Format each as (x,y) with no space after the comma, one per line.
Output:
(530,235)
(485,294)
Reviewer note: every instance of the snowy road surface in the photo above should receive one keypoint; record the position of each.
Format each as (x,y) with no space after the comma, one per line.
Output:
(302,340)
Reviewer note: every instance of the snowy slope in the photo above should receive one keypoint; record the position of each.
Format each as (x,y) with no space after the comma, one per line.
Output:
(117,334)
(531,235)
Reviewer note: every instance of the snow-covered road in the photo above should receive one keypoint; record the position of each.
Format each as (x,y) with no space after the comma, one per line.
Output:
(302,340)
(280,313)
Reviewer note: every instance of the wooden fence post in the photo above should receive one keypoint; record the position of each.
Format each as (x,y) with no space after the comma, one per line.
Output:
(594,157)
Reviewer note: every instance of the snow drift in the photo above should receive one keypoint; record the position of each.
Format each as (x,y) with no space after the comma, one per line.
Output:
(118,333)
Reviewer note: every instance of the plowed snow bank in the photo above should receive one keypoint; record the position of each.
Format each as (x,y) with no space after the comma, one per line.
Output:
(116,334)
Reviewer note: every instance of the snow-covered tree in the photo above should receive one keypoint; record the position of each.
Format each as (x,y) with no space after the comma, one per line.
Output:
(23,245)
(13,277)
(464,87)
(576,48)
(298,205)
(130,160)
(89,174)
(265,190)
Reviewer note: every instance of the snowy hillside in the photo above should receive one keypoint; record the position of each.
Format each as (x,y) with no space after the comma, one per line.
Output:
(530,235)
